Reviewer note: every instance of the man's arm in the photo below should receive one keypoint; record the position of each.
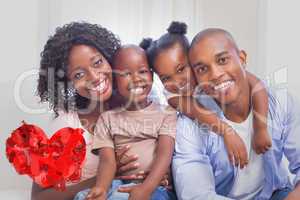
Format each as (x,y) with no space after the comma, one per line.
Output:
(291,137)
(192,171)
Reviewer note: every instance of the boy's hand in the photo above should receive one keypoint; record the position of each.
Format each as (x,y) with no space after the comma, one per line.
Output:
(136,192)
(236,148)
(261,141)
(96,193)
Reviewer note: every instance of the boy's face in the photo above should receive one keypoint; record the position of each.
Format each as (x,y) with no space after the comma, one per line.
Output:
(173,69)
(219,68)
(133,75)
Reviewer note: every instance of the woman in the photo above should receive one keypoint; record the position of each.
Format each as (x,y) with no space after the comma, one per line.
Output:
(76,80)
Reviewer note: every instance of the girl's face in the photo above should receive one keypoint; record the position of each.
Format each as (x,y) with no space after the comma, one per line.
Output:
(133,75)
(173,68)
(90,73)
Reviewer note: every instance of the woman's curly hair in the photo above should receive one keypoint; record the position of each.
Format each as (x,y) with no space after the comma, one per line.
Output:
(53,84)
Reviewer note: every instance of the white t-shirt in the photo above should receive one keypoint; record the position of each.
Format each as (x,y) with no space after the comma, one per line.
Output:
(249,181)
(71,119)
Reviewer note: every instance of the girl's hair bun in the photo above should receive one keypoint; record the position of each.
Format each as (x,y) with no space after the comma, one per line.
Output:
(146,43)
(177,28)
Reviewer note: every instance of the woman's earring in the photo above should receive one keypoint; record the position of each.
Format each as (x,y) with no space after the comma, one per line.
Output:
(69,93)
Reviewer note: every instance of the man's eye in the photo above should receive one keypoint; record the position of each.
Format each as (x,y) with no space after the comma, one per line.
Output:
(78,75)
(201,69)
(223,60)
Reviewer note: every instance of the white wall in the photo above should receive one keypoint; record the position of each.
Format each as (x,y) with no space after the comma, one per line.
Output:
(282,44)
(20,42)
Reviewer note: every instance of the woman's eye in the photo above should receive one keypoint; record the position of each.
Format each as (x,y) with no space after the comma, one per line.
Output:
(125,74)
(78,75)
(98,62)
(223,60)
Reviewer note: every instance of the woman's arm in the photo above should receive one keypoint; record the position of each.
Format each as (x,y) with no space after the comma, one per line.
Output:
(38,193)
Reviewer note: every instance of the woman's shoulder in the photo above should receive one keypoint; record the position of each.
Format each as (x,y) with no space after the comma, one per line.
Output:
(65,119)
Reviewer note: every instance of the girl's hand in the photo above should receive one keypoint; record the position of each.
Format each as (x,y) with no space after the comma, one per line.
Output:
(96,193)
(261,141)
(236,148)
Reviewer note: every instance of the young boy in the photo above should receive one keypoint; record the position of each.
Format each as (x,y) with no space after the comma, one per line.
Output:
(148,127)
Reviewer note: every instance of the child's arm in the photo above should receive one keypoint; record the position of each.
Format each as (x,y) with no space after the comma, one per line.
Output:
(235,146)
(105,175)
(160,166)
(261,140)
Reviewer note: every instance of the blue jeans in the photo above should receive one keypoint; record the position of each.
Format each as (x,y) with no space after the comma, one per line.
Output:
(160,193)
(280,194)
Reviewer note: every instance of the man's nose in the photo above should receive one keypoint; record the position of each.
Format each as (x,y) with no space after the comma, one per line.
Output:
(216,72)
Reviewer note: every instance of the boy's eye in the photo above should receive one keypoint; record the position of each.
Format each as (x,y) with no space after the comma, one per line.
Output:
(223,60)
(78,75)
(143,71)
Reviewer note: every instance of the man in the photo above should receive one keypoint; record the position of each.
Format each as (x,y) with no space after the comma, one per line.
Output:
(201,167)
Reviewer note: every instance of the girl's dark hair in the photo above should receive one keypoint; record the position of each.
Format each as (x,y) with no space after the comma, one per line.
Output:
(176,35)
(53,84)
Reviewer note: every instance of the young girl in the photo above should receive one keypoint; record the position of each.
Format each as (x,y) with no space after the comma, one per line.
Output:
(168,58)
(76,80)
(148,127)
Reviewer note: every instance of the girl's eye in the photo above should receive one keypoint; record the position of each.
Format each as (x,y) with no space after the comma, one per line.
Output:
(223,60)
(181,69)
(78,75)
(165,79)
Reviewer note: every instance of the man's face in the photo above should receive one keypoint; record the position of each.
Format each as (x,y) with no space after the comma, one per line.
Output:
(219,68)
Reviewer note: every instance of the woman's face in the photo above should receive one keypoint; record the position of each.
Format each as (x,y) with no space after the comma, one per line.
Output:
(173,69)
(90,73)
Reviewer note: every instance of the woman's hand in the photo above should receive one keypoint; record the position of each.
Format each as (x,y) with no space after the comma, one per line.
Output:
(127,163)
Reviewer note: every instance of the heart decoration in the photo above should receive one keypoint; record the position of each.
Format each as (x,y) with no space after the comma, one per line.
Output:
(49,162)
